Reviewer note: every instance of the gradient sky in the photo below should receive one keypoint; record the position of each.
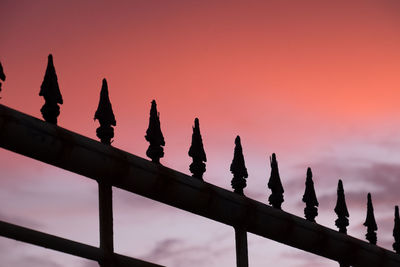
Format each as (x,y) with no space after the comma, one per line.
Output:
(316,82)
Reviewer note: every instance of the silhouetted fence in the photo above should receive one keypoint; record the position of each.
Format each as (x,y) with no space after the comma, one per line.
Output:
(109,166)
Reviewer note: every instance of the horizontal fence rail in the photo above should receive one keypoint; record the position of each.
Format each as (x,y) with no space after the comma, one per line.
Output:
(51,144)
(67,246)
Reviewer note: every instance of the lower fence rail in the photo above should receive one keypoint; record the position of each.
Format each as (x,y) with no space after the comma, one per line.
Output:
(67,246)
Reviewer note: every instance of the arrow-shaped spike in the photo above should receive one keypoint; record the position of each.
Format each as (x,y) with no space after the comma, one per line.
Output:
(51,93)
(341,209)
(309,197)
(2,75)
(105,115)
(197,153)
(370,222)
(396,230)
(275,184)
(154,135)
(238,168)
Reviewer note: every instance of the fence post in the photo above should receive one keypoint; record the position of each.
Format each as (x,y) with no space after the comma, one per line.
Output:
(106,224)
(241,247)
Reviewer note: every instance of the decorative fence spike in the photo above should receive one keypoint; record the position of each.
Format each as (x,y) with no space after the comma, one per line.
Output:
(238,169)
(370,222)
(2,75)
(396,230)
(197,153)
(51,93)
(105,115)
(309,197)
(275,184)
(341,210)
(154,135)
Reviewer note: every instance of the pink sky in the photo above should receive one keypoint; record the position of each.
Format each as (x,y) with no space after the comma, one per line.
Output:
(316,82)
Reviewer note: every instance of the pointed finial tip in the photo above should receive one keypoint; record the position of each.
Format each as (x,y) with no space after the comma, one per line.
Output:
(273,156)
(50,58)
(369,196)
(237,140)
(340,185)
(153,102)
(196,121)
(104,84)
(309,172)
(396,210)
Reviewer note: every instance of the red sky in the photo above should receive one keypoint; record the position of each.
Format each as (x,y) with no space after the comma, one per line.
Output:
(314,81)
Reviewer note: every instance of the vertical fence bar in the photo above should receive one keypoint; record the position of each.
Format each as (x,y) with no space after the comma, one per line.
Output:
(105,132)
(239,171)
(241,247)
(106,224)
(341,210)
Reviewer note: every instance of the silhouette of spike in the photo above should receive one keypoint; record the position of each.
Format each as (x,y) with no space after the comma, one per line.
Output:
(197,153)
(370,222)
(2,75)
(341,210)
(238,168)
(154,135)
(51,93)
(309,197)
(105,115)
(396,230)
(275,184)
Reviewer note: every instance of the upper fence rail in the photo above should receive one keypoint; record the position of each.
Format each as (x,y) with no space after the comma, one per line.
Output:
(54,145)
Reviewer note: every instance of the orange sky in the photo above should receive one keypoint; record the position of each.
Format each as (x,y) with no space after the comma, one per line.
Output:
(227,64)
(309,80)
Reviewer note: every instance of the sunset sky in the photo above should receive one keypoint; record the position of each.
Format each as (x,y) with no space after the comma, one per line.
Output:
(317,82)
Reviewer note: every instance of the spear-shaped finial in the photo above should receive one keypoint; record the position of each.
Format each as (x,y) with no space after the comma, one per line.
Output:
(2,75)
(238,168)
(370,222)
(154,135)
(309,197)
(275,184)
(341,210)
(196,152)
(105,115)
(396,230)
(51,93)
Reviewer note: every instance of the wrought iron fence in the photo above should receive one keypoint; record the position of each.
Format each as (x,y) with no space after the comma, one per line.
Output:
(111,167)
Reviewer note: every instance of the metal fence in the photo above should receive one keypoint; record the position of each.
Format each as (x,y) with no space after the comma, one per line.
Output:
(111,167)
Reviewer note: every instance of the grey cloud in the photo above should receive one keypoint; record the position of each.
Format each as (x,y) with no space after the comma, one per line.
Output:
(381,179)
(32,261)
(90,264)
(19,221)
(305,259)
(176,253)
(164,248)
(181,253)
